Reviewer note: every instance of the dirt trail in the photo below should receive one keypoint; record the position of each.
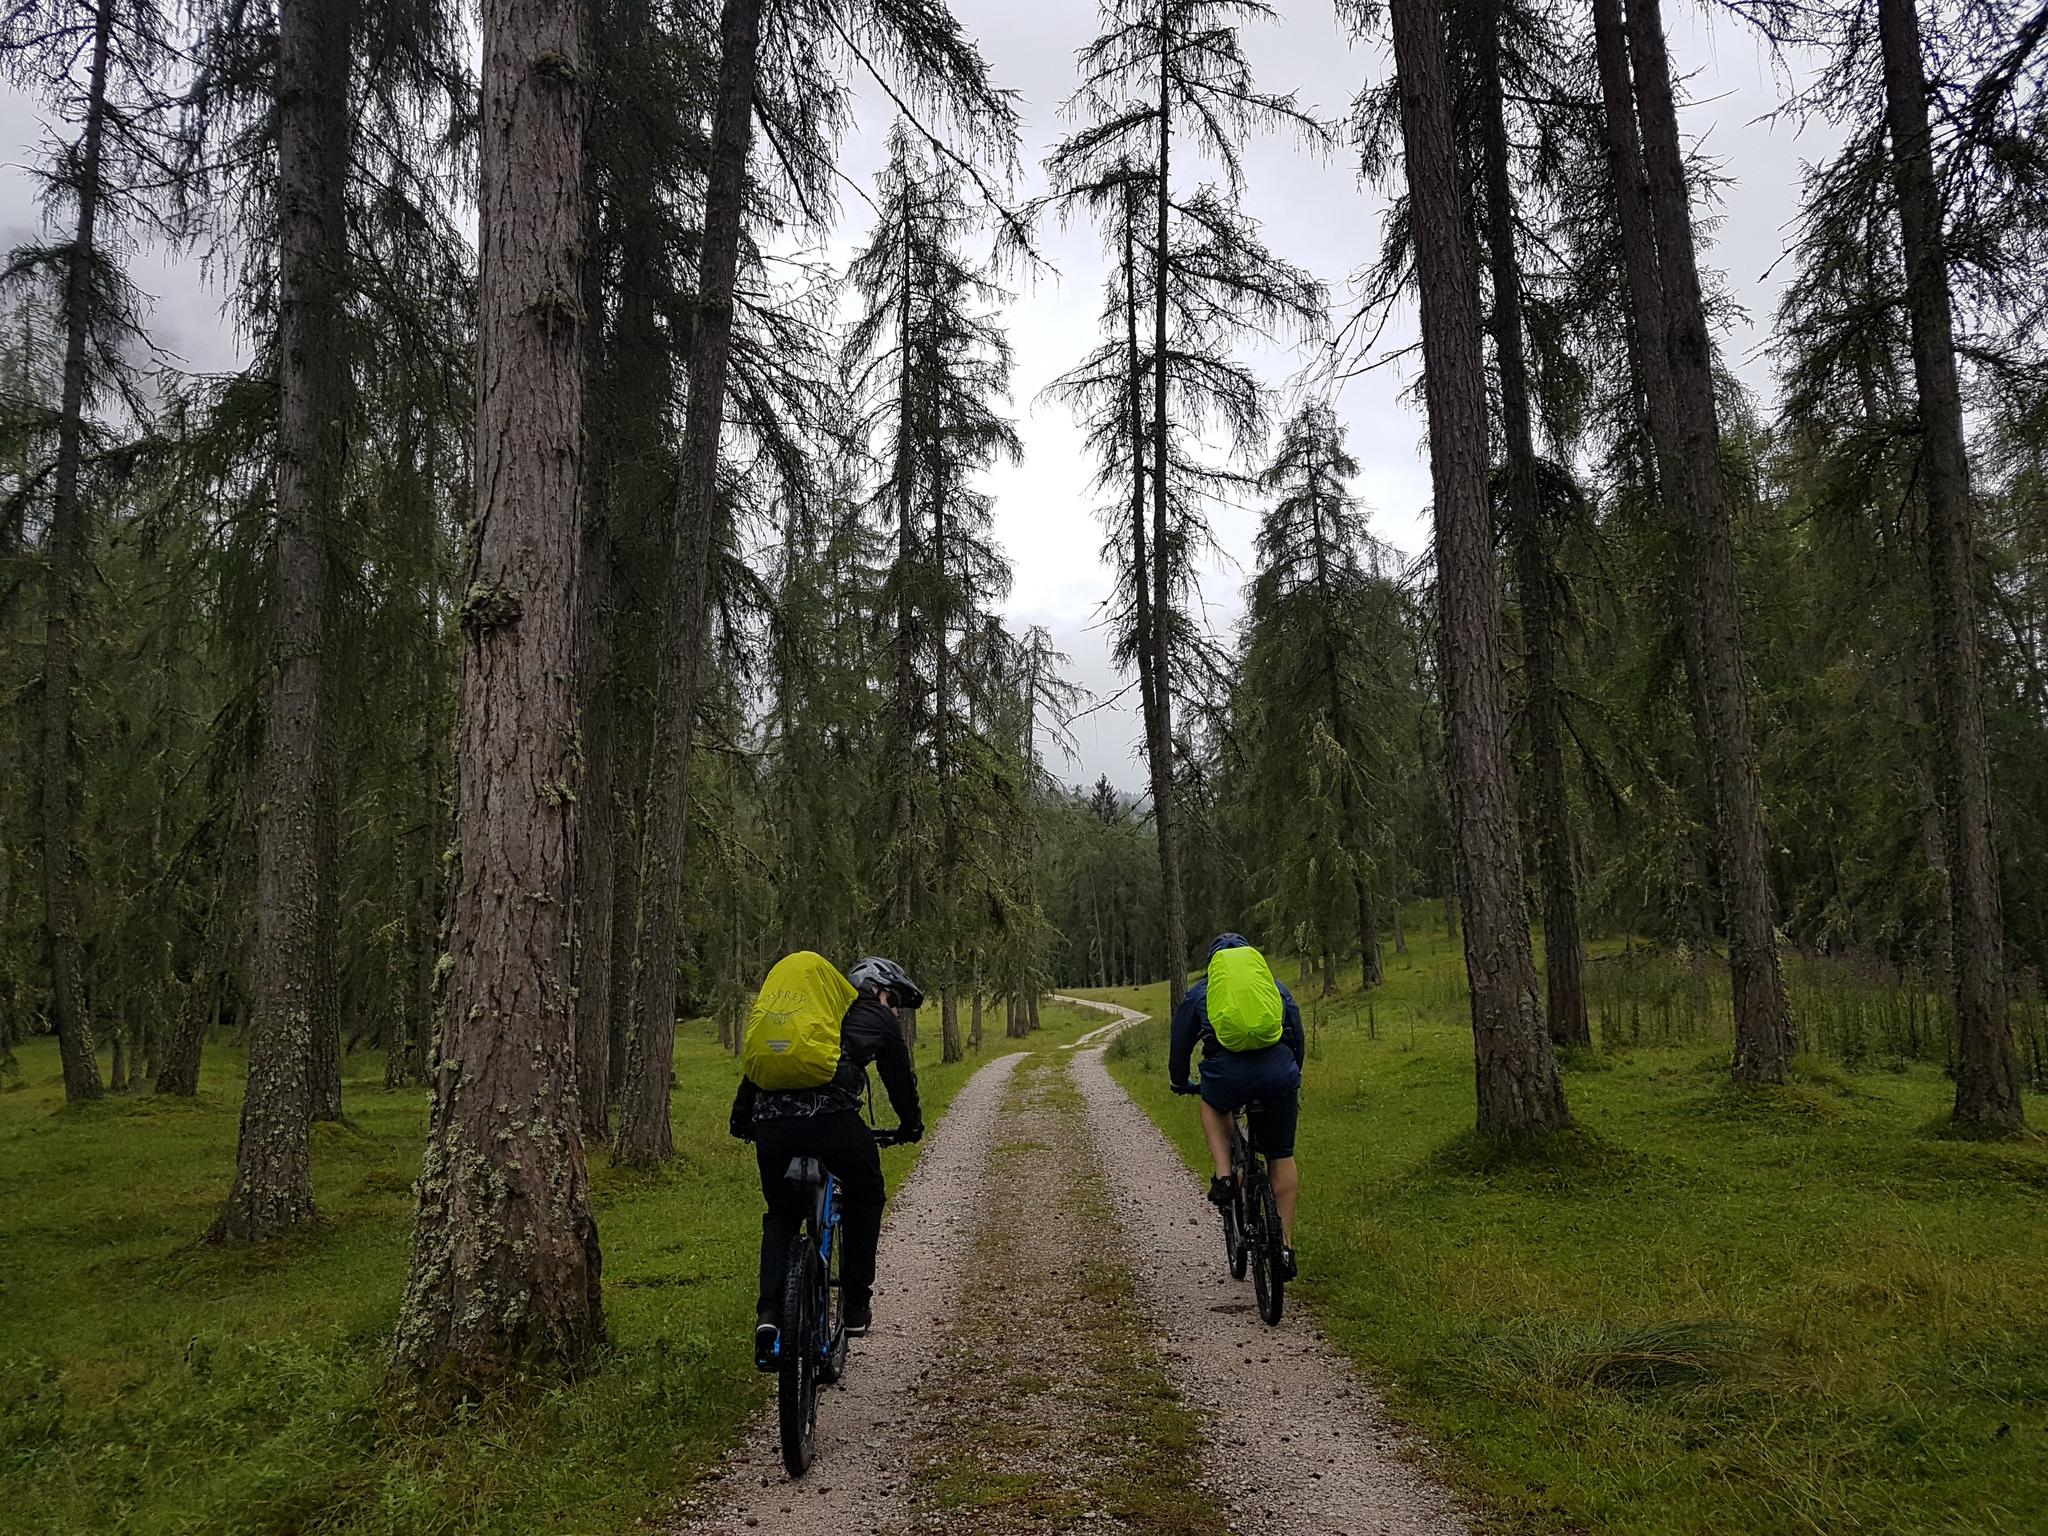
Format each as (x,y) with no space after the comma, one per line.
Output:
(1300,1443)
(860,1480)
(1060,1348)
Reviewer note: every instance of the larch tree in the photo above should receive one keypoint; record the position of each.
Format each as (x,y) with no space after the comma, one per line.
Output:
(919,51)
(1987,1066)
(110,175)
(1673,352)
(1530,489)
(505,1260)
(1169,77)
(1519,1090)
(928,363)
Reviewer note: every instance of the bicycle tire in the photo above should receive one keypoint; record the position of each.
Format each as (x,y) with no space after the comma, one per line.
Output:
(1235,1240)
(796,1387)
(1270,1280)
(832,1368)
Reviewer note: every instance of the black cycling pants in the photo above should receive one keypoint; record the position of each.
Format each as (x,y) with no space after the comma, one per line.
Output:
(845,1145)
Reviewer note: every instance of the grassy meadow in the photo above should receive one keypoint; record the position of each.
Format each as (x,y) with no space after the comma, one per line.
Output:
(1708,1310)
(153,1385)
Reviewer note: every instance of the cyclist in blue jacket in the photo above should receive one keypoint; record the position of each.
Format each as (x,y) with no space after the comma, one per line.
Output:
(1269,1079)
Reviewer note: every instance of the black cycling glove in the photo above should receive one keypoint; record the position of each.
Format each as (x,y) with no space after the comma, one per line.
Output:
(910,1132)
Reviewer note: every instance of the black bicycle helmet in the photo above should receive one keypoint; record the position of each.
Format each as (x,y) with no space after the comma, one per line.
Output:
(876,974)
(1226,941)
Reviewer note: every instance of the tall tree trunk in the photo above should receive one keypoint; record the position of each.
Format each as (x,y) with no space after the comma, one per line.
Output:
(1165,812)
(1764,1039)
(273,1190)
(595,847)
(1564,953)
(505,1257)
(633,731)
(63,954)
(178,1067)
(324,1072)
(1517,1081)
(1987,1065)
(644,1137)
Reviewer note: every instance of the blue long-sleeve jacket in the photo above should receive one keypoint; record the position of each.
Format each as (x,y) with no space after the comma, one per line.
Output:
(1191,1023)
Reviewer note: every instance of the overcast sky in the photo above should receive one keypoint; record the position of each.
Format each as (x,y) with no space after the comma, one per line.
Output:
(1314,213)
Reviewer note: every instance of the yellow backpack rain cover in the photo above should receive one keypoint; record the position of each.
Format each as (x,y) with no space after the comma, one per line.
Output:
(792,1038)
(1245,1011)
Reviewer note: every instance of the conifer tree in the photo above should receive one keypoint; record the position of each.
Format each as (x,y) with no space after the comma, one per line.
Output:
(1317,635)
(505,1262)
(917,48)
(1167,77)
(1518,1085)
(108,176)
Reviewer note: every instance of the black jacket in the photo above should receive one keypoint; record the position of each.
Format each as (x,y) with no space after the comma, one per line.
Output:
(868,1034)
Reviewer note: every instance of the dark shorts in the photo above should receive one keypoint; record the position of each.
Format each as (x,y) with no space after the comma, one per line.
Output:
(1269,1081)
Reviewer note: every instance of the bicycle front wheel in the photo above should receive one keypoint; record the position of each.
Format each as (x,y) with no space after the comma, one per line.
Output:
(797,1377)
(1268,1273)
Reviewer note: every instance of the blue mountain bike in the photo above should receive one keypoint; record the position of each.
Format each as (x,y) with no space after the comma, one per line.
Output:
(812,1349)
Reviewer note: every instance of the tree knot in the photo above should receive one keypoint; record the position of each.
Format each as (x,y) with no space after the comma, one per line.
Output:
(488,608)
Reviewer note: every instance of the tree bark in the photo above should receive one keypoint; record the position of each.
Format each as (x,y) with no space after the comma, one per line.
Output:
(273,1191)
(644,1137)
(1764,1039)
(1987,1064)
(178,1063)
(596,859)
(1518,1087)
(505,1261)
(1564,952)
(1165,812)
(63,954)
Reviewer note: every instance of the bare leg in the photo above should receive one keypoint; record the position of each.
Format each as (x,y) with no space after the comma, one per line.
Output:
(1286,1180)
(1216,1127)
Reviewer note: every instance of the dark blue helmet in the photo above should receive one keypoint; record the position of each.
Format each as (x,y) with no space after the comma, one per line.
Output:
(1226,941)
(875,974)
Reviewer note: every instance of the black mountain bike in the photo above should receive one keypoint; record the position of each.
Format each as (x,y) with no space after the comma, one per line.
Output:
(812,1348)
(1252,1235)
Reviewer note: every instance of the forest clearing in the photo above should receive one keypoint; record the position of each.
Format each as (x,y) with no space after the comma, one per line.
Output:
(672,670)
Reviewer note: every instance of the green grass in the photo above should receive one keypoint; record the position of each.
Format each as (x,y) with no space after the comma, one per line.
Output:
(151,1385)
(1706,1310)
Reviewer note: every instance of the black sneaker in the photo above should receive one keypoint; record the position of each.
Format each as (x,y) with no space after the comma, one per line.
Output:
(1221,1192)
(767,1336)
(1286,1263)
(860,1317)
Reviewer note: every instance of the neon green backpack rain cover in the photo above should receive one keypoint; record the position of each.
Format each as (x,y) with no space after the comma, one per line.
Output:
(792,1038)
(1245,1010)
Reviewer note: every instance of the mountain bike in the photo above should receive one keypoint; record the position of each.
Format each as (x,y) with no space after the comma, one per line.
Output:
(1252,1236)
(1252,1222)
(812,1348)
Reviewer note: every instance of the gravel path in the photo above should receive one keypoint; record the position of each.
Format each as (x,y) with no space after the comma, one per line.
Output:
(1301,1443)
(860,1479)
(1059,1348)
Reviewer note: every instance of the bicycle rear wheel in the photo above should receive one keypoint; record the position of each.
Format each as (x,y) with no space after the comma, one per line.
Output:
(1236,1241)
(833,1344)
(1268,1273)
(797,1376)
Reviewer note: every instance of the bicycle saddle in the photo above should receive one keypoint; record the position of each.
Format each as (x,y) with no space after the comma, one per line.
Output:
(805,1170)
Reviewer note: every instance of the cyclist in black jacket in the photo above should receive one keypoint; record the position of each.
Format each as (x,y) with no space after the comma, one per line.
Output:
(826,1123)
